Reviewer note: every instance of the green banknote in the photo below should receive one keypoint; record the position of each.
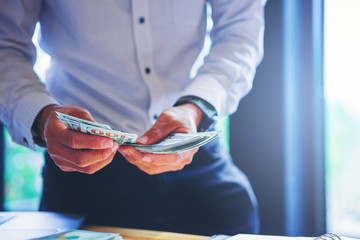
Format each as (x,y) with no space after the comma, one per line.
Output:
(173,143)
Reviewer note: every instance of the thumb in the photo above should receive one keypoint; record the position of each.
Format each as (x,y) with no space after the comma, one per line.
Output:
(83,114)
(153,135)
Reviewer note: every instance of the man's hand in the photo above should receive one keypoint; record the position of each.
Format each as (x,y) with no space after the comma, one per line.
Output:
(184,118)
(73,151)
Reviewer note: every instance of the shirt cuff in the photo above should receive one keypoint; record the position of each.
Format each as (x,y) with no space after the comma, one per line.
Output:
(209,113)
(209,89)
(24,115)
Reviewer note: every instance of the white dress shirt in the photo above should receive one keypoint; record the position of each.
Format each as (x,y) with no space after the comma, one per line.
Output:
(125,60)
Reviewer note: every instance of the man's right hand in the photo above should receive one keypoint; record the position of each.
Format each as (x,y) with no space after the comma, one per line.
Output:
(70,150)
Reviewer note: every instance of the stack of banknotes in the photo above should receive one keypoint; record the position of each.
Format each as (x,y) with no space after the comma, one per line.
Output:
(173,143)
(81,235)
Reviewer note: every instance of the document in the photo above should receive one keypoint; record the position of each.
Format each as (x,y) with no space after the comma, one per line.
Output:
(328,236)
(265,237)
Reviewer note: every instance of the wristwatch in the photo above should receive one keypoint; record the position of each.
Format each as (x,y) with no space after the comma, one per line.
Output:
(209,112)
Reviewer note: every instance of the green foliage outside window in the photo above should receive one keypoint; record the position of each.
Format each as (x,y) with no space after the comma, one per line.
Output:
(22,176)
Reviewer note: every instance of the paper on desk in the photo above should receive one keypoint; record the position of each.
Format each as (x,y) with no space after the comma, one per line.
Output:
(81,235)
(269,237)
(265,237)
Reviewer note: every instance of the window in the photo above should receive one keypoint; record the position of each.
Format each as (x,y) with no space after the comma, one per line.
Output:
(342,115)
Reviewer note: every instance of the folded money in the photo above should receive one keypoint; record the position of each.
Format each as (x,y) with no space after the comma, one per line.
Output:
(173,143)
(178,142)
(81,125)
(81,235)
(68,117)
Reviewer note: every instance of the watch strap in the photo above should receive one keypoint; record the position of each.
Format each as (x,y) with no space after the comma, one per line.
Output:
(209,112)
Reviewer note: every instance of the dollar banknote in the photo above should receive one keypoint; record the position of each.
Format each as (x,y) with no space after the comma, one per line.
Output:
(173,143)
(68,117)
(81,125)
(81,235)
(178,142)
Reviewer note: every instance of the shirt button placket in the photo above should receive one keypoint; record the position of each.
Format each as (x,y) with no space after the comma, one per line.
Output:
(141,20)
(143,42)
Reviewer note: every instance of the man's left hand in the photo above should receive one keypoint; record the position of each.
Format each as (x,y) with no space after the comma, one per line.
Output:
(184,118)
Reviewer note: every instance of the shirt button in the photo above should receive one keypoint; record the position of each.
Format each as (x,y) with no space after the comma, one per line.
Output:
(25,141)
(147,70)
(141,20)
(155,116)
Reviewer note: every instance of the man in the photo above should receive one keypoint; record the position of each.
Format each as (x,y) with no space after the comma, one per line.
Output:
(127,64)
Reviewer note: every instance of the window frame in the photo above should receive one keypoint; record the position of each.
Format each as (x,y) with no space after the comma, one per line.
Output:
(304,117)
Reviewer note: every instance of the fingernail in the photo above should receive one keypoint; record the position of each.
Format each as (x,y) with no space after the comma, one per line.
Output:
(146,159)
(108,144)
(142,139)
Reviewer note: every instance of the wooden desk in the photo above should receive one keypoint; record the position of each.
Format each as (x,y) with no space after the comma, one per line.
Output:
(136,234)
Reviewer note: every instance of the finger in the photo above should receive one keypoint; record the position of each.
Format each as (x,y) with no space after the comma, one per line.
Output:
(76,112)
(152,169)
(80,158)
(154,134)
(155,169)
(135,156)
(162,159)
(77,140)
(88,170)
(183,118)
(66,169)
(163,127)
(131,154)
(83,114)
(56,130)
(68,166)
(172,159)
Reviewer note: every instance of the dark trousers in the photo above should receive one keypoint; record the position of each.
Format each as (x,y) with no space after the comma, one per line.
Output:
(209,196)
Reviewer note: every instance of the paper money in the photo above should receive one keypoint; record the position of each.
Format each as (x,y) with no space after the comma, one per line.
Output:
(65,116)
(178,142)
(174,143)
(98,129)
(81,235)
